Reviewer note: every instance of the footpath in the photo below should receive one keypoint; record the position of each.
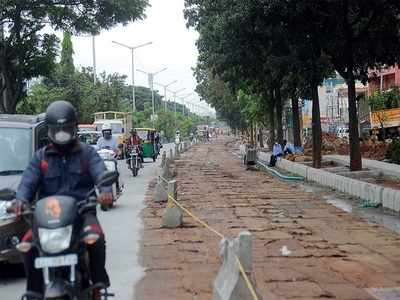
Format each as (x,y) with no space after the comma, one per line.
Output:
(303,248)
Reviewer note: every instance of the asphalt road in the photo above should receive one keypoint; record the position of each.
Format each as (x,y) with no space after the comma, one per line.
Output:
(122,227)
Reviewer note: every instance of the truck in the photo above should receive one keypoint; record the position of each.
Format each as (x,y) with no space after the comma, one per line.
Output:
(121,124)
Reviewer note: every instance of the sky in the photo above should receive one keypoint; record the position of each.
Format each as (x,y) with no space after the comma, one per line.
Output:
(173,48)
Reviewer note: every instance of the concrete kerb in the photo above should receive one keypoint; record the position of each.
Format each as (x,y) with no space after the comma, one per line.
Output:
(231,283)
(172,216)
(177,150)
(166,170)
(163,159)
(161,194)
(372,193)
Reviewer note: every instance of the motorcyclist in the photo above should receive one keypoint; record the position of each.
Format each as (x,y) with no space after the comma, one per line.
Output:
(177,137)
(135,141)
(157,141)
(109,142)
(65,167)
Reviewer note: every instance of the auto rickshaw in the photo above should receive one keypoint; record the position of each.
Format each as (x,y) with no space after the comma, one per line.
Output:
(149,147)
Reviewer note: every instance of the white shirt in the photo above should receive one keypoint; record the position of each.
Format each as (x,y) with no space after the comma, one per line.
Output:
(112,144)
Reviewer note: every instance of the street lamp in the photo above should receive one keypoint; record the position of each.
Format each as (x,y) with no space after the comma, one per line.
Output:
(175,93)
(133,68)
(183,100)
(165,86)
(151,84)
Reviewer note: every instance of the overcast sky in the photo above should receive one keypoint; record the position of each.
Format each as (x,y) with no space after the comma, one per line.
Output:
(173,47)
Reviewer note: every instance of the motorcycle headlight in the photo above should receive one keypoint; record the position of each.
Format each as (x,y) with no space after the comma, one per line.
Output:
(55,240)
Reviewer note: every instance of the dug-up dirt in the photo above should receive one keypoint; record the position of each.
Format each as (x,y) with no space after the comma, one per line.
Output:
(333,254)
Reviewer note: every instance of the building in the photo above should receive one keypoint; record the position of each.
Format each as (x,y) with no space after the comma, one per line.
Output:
(383,79)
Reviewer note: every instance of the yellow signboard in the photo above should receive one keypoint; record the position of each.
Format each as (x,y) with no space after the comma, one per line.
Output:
(387,117)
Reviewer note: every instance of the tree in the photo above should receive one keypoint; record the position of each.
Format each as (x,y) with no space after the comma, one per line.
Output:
(356,36)
(254,45)
(26,53)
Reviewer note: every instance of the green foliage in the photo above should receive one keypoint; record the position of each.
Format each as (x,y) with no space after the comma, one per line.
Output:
(385,100)
(26,52)
(167,123)
(67,52)
(393,152)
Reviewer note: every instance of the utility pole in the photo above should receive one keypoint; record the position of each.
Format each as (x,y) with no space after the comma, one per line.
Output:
(132,49)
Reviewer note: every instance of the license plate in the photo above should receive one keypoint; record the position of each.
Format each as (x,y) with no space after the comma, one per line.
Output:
(56,261)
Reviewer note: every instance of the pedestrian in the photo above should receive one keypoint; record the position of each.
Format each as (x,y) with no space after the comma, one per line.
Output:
(276,152)
(287,148)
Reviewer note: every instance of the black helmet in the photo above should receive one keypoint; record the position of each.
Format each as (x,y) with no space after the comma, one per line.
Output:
(62,121)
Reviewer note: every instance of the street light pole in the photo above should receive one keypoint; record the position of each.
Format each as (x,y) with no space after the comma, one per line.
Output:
(175,93)
(133,68)
(183,100)
(94,58)
(133,82)
(151,84)
(165,86)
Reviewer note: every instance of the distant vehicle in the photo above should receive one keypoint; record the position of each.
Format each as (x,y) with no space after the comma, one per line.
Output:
(20,137)
(89,137)
(121,124)
(343,133)
(86,127)
(147,136)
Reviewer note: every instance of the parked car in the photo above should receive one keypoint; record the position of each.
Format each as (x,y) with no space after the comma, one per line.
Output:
(20,137)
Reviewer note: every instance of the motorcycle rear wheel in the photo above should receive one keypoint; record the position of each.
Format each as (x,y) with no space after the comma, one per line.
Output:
(134,171)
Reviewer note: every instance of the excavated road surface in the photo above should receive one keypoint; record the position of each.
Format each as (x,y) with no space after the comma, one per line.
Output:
(333,254)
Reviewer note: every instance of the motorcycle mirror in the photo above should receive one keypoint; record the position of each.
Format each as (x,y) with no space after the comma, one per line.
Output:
(7,194)
(107,179)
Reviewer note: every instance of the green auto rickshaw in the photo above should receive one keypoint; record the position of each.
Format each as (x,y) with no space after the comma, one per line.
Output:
(147,137)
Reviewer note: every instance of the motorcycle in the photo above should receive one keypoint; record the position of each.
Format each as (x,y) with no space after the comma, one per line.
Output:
(57,235)
(135,163)
(108,156)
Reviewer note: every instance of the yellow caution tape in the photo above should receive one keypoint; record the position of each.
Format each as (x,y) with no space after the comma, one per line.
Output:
(246,279)
(195,217)
(170,204)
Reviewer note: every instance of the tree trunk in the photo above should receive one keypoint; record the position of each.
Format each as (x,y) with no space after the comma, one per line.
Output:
(354,137)
(261,138)
(271,120)
(279,109)
(252,134)
(316,128)
(296,122)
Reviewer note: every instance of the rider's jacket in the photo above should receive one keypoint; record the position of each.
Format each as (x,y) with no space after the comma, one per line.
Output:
(50,172)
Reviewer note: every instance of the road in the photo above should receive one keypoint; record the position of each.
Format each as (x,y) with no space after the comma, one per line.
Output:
(123,228)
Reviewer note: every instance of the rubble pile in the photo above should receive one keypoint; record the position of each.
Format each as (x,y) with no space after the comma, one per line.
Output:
(374,149)
(331,144)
